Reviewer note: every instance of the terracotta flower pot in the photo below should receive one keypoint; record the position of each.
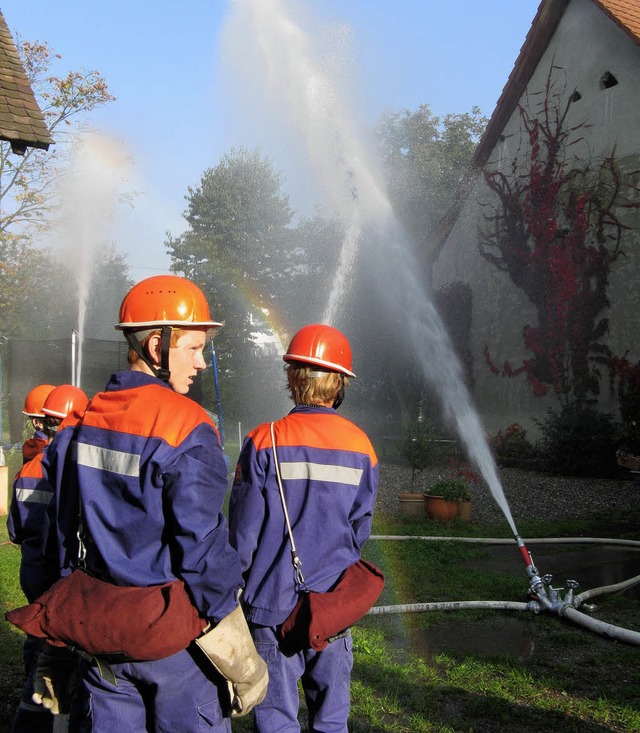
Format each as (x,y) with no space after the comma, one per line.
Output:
(437,507)
(411,503)
(464,510)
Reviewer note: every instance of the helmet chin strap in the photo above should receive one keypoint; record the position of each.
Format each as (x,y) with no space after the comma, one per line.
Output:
(163,372)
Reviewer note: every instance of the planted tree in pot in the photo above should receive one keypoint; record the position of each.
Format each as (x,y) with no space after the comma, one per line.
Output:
(448,498)
(417,447)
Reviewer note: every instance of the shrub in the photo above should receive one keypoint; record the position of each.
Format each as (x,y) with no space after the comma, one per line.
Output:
(511,448)
(451,489)
(578,441)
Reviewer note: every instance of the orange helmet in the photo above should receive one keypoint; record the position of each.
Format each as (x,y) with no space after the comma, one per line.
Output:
(164,300)
(65,399)
(35,399)
(322,346)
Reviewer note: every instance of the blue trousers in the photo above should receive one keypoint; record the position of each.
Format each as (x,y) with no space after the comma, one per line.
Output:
(179,694)
(326,682)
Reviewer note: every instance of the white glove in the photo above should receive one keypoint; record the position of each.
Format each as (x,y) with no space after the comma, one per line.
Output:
(230,648)
(54,678)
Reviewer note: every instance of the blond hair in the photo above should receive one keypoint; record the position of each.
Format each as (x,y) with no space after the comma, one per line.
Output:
(306,388)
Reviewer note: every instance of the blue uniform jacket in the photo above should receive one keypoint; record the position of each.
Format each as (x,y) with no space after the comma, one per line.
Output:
(32,446)
(151,474)
(330,477)
(26,521)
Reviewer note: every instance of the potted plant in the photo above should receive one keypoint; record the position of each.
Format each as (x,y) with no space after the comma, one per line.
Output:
(448,498)
(417,447)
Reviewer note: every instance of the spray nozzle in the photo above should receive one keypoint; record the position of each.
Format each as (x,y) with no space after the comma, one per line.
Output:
(526,556)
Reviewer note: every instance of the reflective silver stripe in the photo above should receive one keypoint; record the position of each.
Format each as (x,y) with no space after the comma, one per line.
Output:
(321,472)
(34,496)
(113,461)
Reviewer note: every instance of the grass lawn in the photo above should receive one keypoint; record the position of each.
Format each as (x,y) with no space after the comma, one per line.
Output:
(569,679)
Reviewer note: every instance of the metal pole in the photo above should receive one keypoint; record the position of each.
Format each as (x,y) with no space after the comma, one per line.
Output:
(214,365)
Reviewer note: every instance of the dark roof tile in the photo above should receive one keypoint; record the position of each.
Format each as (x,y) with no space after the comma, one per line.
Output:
(21,120)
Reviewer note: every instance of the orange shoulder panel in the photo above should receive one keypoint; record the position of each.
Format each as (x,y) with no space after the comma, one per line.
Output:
(32,469)
(261,436)
(152,411)
(316,430)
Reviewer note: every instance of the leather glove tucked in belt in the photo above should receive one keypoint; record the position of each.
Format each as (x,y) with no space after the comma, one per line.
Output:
(54,678)
(230,648)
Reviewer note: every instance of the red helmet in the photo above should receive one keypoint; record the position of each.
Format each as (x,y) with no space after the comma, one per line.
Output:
(165,300)
(322,346)
(35,399)
(65,399)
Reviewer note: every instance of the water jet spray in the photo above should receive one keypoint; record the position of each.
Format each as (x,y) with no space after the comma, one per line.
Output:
(88,194)
(308,102)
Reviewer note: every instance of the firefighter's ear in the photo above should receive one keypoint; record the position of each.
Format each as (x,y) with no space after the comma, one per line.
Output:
(153,348)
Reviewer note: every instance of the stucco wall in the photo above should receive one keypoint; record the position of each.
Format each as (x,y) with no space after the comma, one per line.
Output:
(586,46)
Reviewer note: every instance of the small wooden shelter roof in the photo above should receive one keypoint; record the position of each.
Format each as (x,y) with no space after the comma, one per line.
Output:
(21,120)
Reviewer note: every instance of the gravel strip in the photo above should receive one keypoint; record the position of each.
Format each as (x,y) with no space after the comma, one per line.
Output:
(530,495)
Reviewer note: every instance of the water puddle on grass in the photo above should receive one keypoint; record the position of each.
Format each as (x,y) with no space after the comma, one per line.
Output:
(515,634)
(593,566)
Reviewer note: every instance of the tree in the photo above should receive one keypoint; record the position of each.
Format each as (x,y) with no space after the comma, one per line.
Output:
(424,157)
(317,242)
(48,308)
(28,190)
(237,217)
(27,182)
(239,249)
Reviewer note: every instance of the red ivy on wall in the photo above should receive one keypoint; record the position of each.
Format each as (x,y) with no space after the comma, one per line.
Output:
(556,232)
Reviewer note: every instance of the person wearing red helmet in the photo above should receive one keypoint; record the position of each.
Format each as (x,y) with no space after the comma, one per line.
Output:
(329,472)
(32,495)
(147,470)
(33,410)
(26,523)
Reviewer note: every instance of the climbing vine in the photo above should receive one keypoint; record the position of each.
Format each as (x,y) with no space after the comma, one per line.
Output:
(556,232)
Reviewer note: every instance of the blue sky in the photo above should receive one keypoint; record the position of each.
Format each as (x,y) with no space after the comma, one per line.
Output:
(175,114)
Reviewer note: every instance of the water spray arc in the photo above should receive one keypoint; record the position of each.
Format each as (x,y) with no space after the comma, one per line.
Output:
(306,93)
(87,194)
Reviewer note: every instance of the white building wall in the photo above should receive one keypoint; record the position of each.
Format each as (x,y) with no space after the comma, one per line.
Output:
(586,46)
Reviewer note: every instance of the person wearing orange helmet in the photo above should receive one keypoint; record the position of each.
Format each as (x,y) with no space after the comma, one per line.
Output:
(146,467)
(26,523)
(329,473)
(33,410)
